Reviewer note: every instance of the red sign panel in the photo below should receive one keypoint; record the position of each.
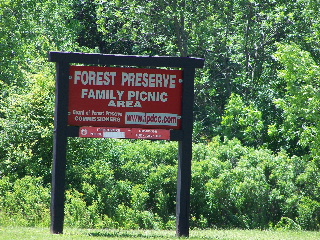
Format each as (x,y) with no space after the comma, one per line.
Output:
(125,97)
(133,133)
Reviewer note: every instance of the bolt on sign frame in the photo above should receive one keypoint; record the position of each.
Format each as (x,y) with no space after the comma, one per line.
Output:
(180,130)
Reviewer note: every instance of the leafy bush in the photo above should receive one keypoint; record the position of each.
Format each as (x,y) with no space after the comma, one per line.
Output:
(124,179)
(78,214)
(122,186)
(27,122)
(286,223)
(242,122)
(24,203)
(309,214)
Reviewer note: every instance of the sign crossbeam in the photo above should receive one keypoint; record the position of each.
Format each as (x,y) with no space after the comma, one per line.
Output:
(173,124)
(126,60)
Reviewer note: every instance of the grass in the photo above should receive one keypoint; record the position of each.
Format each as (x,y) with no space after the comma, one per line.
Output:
(21,233)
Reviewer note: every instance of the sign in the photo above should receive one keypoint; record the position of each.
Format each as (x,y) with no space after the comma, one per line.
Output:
(123,103)
(133,133)
(125,97)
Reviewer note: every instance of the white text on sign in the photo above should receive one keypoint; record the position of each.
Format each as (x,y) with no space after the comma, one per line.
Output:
(128,79)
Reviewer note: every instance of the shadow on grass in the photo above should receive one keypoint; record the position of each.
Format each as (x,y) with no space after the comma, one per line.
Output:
(127,235)
(146,235)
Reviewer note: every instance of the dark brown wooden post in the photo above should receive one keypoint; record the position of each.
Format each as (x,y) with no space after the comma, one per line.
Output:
(59,148)
(185,156)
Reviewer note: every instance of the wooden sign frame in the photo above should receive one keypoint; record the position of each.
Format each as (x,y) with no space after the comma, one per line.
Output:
(62,131)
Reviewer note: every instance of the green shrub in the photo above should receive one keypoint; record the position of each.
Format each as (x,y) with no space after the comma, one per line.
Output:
(123,186)
(128,218)
(309,214)
(25,202)
(78,214)
(286,223)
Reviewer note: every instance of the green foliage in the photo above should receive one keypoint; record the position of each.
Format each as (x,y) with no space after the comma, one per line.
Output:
(79,215)
(301,101)
(242,122)
(309,211)
(129,27)
(24,203)
(256,161)
(248,188)
(287,224)
(29,29)
(233,186)
(129,184)
(27,123)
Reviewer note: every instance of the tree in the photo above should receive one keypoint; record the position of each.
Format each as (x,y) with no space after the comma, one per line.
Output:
(242,122)
(301,100)
(30,30)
